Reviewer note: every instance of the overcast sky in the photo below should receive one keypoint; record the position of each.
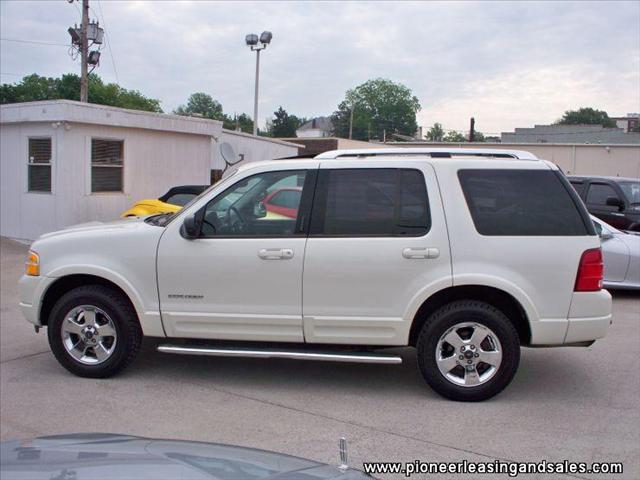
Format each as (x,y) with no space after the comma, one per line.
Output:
(509,64)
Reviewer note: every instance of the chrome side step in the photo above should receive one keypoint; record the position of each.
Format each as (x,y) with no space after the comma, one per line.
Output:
(293,354)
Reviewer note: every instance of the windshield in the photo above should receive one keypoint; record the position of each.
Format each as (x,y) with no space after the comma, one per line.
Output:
(631,190)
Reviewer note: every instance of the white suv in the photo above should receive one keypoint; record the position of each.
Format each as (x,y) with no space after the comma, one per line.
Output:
(464,255)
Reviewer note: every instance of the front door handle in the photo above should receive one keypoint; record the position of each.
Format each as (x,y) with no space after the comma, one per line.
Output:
(420,253)
(275,253)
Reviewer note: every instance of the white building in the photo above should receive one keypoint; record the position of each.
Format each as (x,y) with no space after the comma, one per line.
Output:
(318,127)
(64,162)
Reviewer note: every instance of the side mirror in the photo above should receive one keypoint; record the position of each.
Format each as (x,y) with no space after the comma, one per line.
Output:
(191,227)
(259,210)
(604,235)
(615,202)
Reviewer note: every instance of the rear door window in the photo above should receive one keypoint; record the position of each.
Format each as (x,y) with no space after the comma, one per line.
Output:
(371,202)
(520,202)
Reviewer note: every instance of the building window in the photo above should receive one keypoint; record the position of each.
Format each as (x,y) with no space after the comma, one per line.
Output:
(39,166)
(106,165)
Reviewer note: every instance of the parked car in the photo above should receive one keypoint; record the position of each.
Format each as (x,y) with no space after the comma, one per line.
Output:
(170,202)
(621,253)
(466,258)
(109,456)
(614,200)
(283,201)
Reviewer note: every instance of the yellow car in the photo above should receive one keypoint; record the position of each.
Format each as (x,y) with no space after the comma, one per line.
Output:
(170,202)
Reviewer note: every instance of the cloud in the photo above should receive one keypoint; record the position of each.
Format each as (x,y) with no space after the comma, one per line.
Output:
(506,63)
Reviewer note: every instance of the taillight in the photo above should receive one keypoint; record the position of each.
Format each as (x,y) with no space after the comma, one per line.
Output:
(590,271)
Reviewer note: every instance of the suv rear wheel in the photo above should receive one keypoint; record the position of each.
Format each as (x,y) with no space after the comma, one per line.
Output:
(468,351)
(94,331)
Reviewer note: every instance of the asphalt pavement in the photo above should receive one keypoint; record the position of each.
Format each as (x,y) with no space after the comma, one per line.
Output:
(580,404)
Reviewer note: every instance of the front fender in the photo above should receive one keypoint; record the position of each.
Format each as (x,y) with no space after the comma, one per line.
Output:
(150,320)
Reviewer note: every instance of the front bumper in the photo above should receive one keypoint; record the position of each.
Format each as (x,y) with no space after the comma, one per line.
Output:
(31,290)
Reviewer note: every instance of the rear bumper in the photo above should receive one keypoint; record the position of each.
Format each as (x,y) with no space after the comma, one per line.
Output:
(588,320)
(589,316)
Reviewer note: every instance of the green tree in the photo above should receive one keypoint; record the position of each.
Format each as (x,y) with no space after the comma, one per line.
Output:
(379,105)
(203,104)
(455,137)
(242,121)
(34,87)
(479,137)
(435,133)
(283,124)
(587,116)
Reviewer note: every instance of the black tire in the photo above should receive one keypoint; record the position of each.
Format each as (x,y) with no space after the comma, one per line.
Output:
(125,320)
(460,312)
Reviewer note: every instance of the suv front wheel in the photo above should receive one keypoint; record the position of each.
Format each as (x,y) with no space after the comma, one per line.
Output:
(468,351)
(94,331)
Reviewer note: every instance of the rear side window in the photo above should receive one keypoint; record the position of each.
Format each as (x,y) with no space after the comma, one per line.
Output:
(520,202)
(371,202)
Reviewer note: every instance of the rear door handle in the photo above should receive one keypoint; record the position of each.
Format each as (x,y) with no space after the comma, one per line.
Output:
(275,253)
(420,253)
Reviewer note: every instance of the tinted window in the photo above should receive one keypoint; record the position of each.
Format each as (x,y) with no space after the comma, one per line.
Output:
(578,185)
(520,202)
(286,199)
(631,191)
(180,199)
(239,211)
(599,192)
(361,202)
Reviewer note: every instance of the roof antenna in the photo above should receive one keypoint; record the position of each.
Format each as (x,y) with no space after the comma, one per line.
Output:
(343,454)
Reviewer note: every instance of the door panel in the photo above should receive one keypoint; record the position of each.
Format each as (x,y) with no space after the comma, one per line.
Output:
(357,288)
(241,280)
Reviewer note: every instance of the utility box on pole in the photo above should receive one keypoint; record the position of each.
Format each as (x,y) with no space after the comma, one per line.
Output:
(84,74)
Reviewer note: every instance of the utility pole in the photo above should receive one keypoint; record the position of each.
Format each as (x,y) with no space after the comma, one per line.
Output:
(84,53)
(351,122)
(255,98)
(472,131)
(256,44)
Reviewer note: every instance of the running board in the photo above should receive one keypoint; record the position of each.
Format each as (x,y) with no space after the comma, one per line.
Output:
(292,354)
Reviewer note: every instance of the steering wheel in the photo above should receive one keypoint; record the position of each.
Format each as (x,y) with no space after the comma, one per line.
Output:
(235,226)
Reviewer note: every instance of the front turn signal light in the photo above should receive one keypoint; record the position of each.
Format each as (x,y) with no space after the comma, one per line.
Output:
(33,264)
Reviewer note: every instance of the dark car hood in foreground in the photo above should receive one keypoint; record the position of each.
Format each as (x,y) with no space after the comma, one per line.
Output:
(98,456)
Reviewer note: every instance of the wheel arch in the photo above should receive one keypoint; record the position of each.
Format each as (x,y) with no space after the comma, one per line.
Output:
(67,283)
(502,300)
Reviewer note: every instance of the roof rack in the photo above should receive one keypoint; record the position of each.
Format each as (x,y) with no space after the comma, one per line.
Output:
(432,152)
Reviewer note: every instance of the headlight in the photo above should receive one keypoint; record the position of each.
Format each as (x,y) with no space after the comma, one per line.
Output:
(32,265)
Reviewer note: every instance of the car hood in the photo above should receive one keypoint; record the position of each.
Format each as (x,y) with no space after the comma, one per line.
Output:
(110,456)
(128,223)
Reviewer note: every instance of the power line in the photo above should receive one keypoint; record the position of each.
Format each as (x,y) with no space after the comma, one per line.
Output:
(108,39)
(17,40)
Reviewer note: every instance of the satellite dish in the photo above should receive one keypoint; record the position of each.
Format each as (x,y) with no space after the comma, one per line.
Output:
(228,154)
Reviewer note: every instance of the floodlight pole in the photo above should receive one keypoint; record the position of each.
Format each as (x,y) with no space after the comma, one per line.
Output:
(255,99)
(84,48)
